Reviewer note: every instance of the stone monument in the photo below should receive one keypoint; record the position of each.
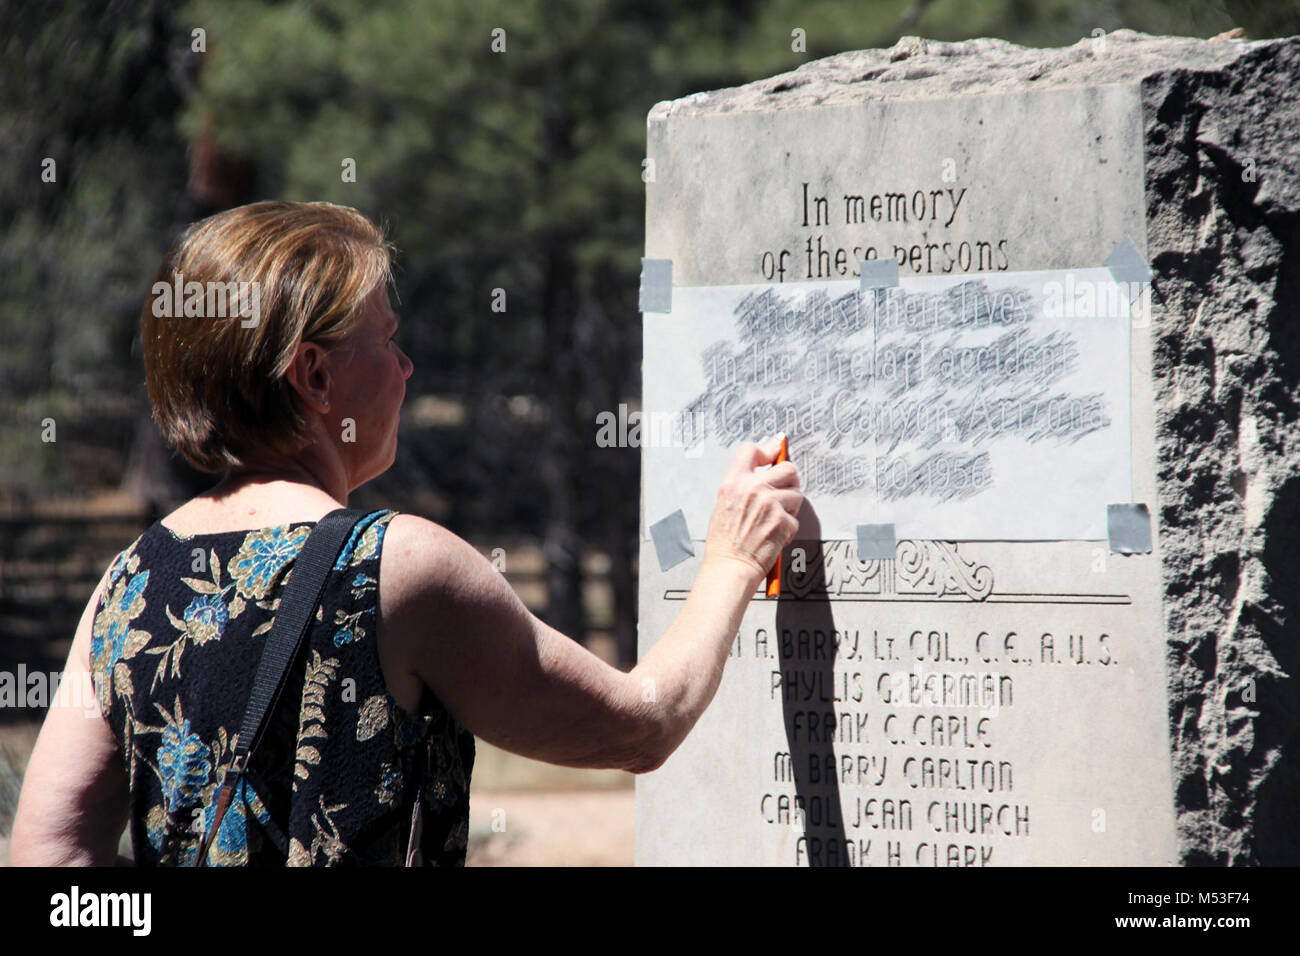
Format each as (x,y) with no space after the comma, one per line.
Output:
(1031,321)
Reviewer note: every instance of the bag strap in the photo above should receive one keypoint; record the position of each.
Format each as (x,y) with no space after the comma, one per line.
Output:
(293,620)
(414,854)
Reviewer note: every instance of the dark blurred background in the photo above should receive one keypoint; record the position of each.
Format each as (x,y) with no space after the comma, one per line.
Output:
(518,170)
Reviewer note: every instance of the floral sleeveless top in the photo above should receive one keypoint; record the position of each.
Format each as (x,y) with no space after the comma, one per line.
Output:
(176,642)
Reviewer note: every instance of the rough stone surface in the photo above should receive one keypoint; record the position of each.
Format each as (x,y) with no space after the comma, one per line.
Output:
(1226,254)
(918,69)
(1222,201)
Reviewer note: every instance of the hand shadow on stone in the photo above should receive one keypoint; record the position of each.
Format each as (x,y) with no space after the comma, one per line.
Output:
(804,606)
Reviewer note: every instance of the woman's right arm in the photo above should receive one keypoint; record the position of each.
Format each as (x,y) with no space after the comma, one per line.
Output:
(525,687)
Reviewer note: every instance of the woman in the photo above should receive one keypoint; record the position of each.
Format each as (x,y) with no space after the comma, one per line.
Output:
(420,644)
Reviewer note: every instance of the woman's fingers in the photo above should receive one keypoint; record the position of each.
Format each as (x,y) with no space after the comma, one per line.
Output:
(791,500)
(752,455)
(755,514)
(784,475)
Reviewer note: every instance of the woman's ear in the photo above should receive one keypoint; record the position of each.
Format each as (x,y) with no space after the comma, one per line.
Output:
(309,374)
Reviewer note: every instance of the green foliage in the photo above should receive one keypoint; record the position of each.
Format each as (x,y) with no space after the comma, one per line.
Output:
(518,170)
(88,86)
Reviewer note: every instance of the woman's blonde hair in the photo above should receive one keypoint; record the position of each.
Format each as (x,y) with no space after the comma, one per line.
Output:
(216,375)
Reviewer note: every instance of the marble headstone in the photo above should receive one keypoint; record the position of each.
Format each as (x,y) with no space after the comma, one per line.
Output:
(1042,604)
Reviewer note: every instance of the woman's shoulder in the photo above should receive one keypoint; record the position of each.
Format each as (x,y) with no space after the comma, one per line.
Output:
(423,560)
(429,577)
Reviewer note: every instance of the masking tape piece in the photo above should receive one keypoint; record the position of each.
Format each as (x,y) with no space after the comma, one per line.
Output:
(672,540)
(876,542)
(1129,527)
(1126,264)
(656,285)
(877,274)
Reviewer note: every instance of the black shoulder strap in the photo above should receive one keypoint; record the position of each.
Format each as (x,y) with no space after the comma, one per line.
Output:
(293,620)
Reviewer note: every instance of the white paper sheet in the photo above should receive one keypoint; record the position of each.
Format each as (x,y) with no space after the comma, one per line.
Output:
(990,407)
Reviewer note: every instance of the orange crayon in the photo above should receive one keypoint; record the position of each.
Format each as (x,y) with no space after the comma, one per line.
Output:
(774,576)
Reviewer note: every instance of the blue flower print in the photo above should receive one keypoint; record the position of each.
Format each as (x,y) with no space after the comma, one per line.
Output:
(261,558)
(184,764)
(364,540)
(350,628)
(108,635)
(206,618)
(231,844)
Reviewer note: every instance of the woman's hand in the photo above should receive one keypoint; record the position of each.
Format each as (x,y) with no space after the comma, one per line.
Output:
(754,517)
